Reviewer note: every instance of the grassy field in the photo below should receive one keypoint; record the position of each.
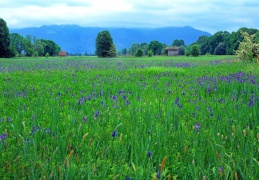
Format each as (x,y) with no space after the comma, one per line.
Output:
(129,118)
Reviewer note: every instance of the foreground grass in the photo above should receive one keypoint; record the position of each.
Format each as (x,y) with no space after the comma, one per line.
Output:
(164,117)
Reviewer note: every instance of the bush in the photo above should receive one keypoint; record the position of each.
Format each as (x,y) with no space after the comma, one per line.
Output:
(195,50)
(150,54)
(46,55)
(248,50)
(139,53)
(187,51)
(220,49)
(181,50)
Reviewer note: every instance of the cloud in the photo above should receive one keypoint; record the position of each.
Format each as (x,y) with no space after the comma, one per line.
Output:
(213,15)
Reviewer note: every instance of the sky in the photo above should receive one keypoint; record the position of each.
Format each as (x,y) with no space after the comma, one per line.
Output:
(206,15)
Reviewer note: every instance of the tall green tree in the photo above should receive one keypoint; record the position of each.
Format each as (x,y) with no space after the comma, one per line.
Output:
(204,43)
(17,43)
(139,52)
(220,49)
(195,50)
(5,50)
(123,52)
(134,47)
(104,45)
(50,47)
(156,47)
(178,43)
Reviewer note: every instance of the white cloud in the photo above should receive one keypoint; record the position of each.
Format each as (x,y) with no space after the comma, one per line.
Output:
(213,15)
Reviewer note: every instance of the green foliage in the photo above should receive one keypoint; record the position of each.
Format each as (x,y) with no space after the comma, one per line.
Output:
(178,43)
(104,45)
(180,118)
(181,50)
(134,47)
(150,54)
(139,53)
(47,55)
(112,52)
(230,40)
(156,47)
(187,51)
(49,47)
(28,47)
(203,42)
(5,50)
(195,50)
(248,49)
(123,52)
(220,49)
(257,37)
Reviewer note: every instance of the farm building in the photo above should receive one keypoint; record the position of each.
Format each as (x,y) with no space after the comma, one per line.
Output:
(62,54)
(172,51)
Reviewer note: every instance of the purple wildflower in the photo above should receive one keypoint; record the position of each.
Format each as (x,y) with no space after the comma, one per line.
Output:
(158,175)
(2,137)
(197,127)
(149,154)
(96,114)
(114,133)
(47,130)
(114,98)
(127,102)
(251,103)
(220,169)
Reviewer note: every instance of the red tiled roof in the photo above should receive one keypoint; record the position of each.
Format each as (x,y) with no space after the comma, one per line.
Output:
(62,53)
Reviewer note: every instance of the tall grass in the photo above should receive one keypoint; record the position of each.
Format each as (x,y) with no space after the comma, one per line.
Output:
(129,118)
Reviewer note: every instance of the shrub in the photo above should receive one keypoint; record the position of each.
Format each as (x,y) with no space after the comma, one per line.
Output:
(248,49)
(150,54)
(195,50)
(139,53)
(46,55)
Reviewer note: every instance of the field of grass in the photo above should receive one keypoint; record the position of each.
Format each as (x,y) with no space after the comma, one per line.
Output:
(129,118)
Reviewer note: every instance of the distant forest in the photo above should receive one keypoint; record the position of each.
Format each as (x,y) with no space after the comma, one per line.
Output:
(221,43)
(31,46)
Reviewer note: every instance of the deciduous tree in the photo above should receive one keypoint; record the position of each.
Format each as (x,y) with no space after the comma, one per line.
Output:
(139,53)
(195,50)
(104,45)
(248,50)
(5,50)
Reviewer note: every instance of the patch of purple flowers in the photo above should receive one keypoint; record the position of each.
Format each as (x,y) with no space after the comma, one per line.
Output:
(148,154)
(2,137)
(114,134)
(197,127)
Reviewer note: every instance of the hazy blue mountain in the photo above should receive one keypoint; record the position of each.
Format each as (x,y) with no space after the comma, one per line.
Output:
(76,39)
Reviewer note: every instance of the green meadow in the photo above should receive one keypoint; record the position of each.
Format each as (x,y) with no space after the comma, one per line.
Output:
(129,118)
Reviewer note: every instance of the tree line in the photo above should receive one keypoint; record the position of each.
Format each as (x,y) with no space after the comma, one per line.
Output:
(220,43)
(16,45)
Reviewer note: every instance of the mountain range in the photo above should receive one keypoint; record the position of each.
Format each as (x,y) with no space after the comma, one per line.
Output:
(77,39)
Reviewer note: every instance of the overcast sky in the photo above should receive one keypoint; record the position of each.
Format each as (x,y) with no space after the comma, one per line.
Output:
(206,15)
